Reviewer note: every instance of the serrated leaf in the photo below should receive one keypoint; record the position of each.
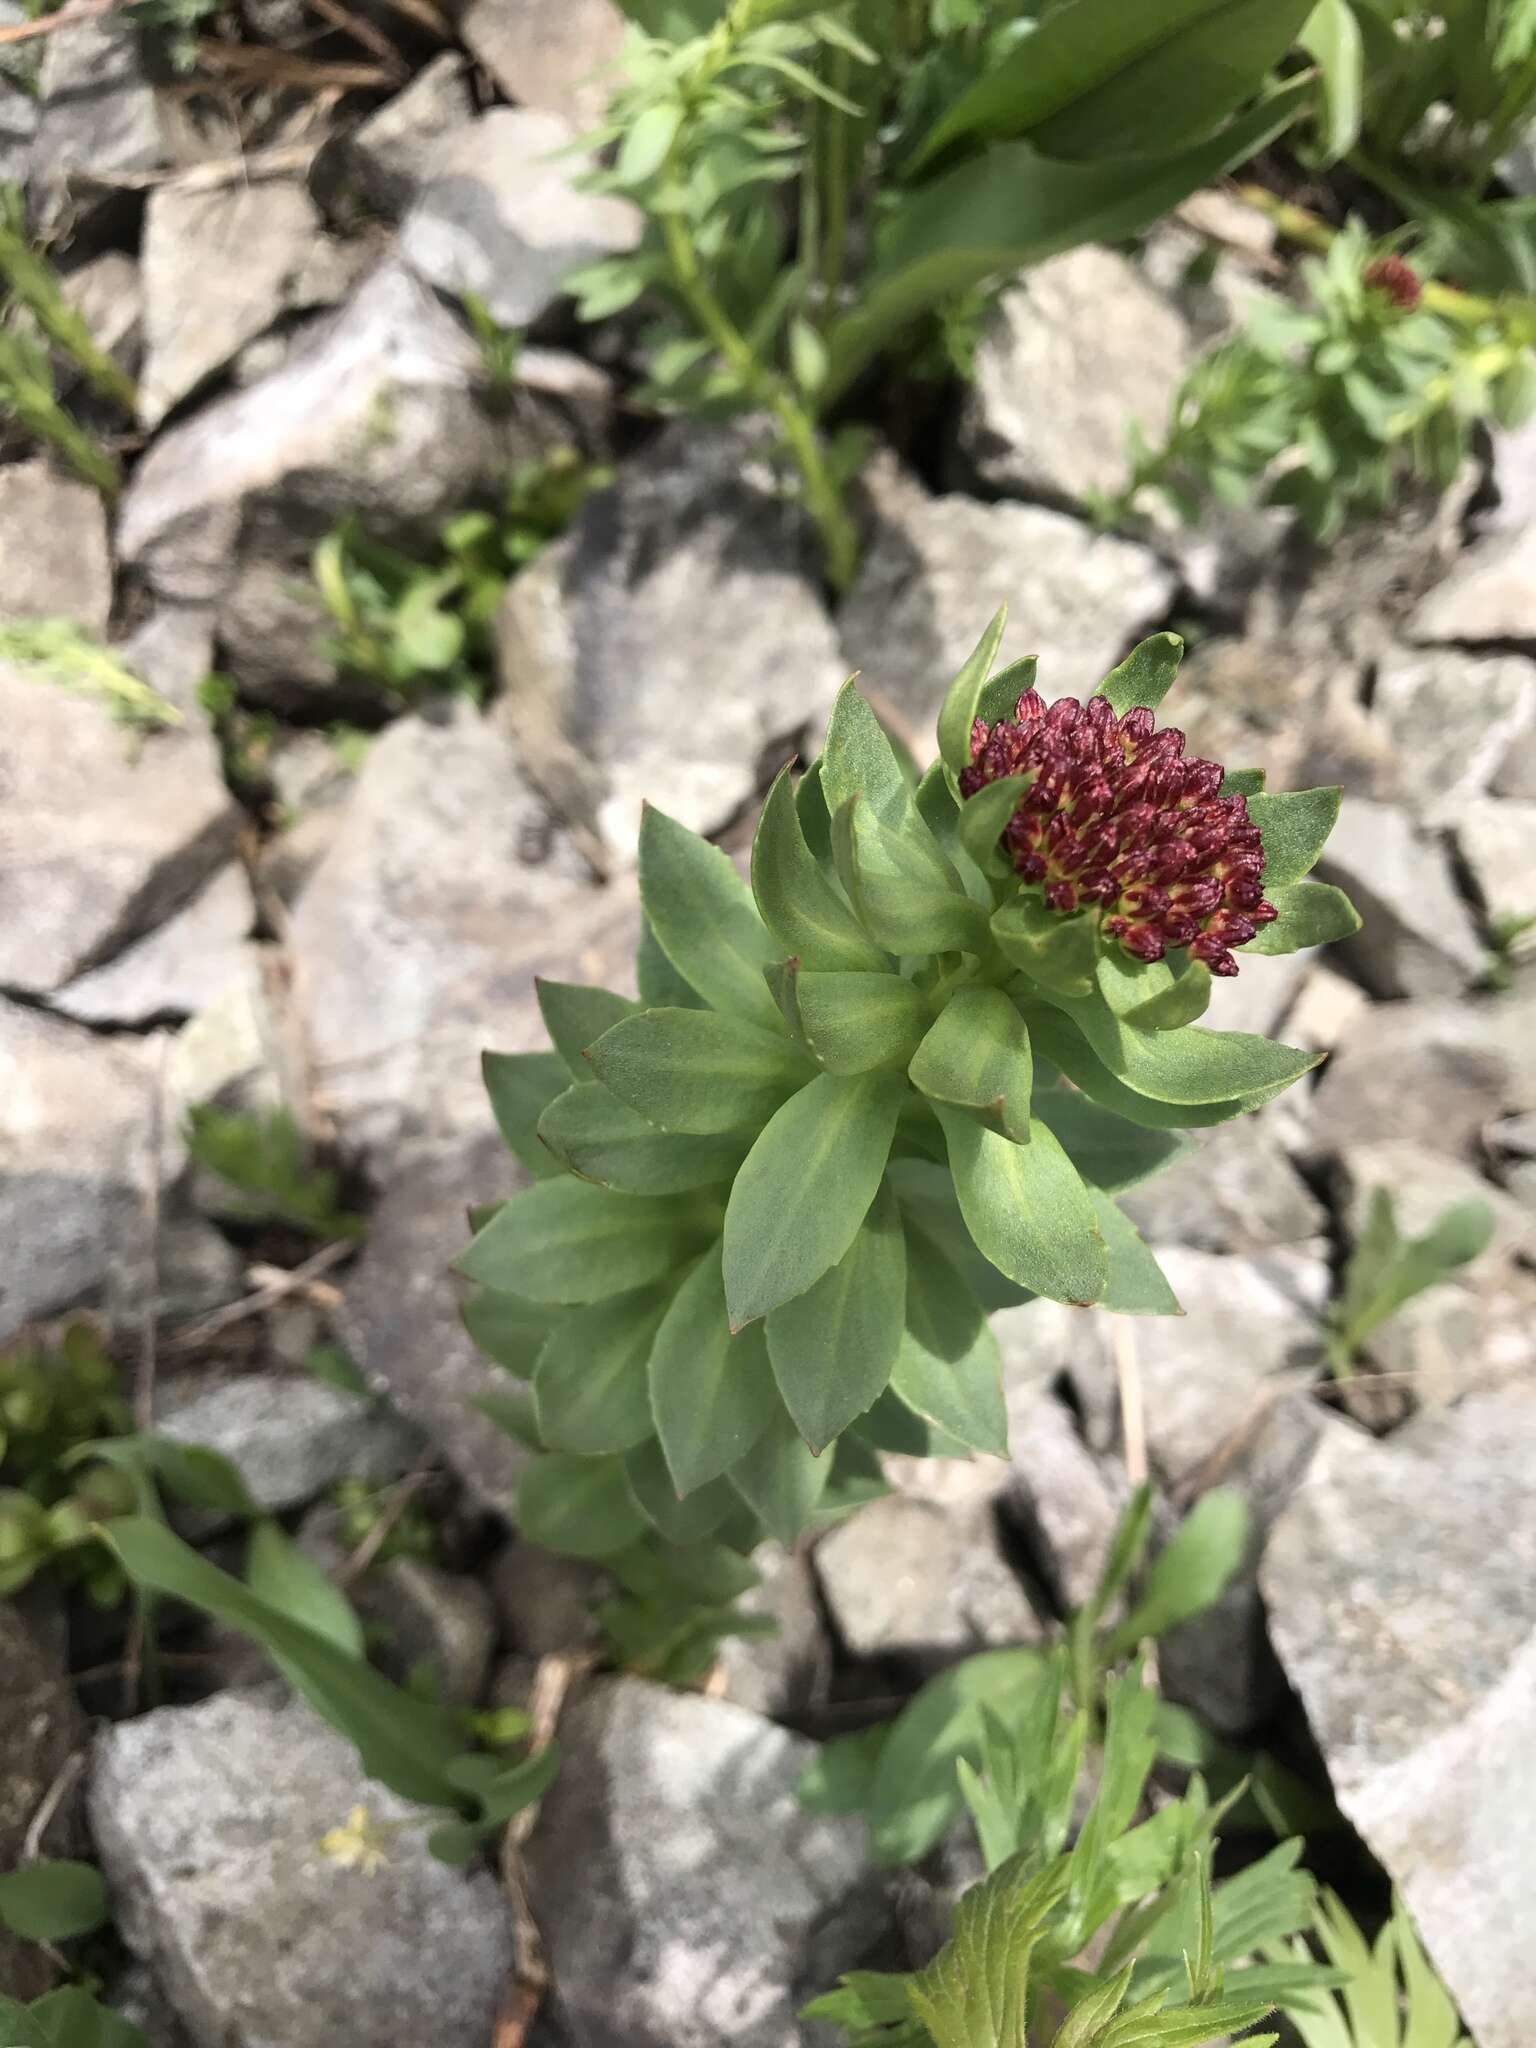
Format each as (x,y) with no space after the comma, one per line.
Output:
(957,714)
(1192,1570)
(603,1139)
(1311,914)
(697,1072)
(855,1023)
(521,1086)
(704,919)
(591,1387)
(575,1017)
(1137,1284)
(507,1328)
(53,1900)
(1294,826)
(806,1187)
(781,1479)
(799,904)
(679,1521)
(1027,1209)
(567,1241)
(1146,675)
(977,1057)
(975,1992)
(906,893)
(833,1348)
(578,1506)
(712,1394)
(277,1571)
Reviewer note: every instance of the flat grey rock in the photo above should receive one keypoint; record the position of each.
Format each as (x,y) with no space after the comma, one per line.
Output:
(1453,720)
(1496,839)
(1417,936)
(108,294)
(1066,1501)
(99,115)
(1488,597)
(1434,1072)
(557,55)
(1234,1192)
(291,1438)
(784,1673)
(180,968)
(396,147)
(54,562)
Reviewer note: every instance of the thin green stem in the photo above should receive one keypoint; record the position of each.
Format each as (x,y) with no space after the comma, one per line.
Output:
(833,137)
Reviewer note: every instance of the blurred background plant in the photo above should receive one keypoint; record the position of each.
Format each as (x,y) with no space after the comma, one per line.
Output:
(1386,1270)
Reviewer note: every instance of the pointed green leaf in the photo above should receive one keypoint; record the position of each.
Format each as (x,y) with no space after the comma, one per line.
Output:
(957,714)
(1242,782)
(705,920)
(983,816)
(1028,1210)
(507,1328)
(661,986)
(833,1347)
(1184,1001)
(1063,1044)
(567,1241)
(697,1072)
(712,1394)
(1059,954)
(580,1507)
(977,1057)
(806,1187)
(907,895)
(1294,826)
(1001,693)
(975,1992)
(963,1396)
(604,1140)
(53,1900)
(591,1387)
(1192,1570)
(287,1578)
(521,1086)
(800,905)
(854,1023)
(781,1479)
(69,2018)
(1311,914)
(811,810)
(1189,1066)
(1137,1285)
(859,760)
(1146,675)
(1127,984)
(1106,1150)
(679,1521)
(575,1017)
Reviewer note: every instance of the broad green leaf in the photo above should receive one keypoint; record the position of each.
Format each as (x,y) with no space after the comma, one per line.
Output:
(975,1992)
(833,1347)
(511,1409)
(581,1507)
(1127,984)
(679,1521)
(567,1241)
(977,1057)
(1000,693)
(705,920)
(1059,954)
(962,1396)
(1331,38)
(53,1901)
(957,714)
(1184,1001)
(603,1139)
(1146,675)
(507,1328)
(661,986)
(807,1185)
(841,1777)
(575,1016)
(591,1388)
(1106,1150)
(1137,1285)
(907,894)
(1242,782)
(1294,827)
(1191,1572)
(404,1742)
(70,2018)
(277,1571)
(192,1473)
(1028,1210)
(1059,1041)
(859,760)
(854,1023)
(892,1426)
(1311,914)
(799,904)
(781,1479)
(811,810)
(697,1072)
(712,1394)
(983,817)
(521,1086)
(1191,1066)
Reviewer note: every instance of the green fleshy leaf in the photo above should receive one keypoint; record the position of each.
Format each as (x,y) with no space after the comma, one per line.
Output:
(1185,1001)
(957,714)
(661,986)
(507,1328)
(696,1072)
(1058,1040)
(854,1023)
(781,1479)
(807,1185)
(1028,1210)
(1001,693)
(575,1017)
(1191,1066)
(833,1347)
(591,1386)
(277,1571)
(891,1425)
(983,816)
(962,1396)
(841,1776)
(977,1057)
(511,1409)
(859,760)
(1137,1285)
(1059,954)
(68,2018)
(578,1506)
(907,895)
(712,1394)
(705,920)
(1294,826)
(679,1521)
(1192,1570)
(799,904)
(1311,914)
(1146,675)
(567,1241)
(1127,984)
(602,1139)
(521,1086)
(1106,1150)
(811,809)
(53,1900)
(1242,782)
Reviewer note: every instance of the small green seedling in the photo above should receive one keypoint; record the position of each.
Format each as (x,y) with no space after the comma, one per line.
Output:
(1386,1269)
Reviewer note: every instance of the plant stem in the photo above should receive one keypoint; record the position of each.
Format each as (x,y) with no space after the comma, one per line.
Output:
(833,138)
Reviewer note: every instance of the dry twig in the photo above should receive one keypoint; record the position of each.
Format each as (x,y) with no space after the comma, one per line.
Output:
(256,66)
(401,1497)
(277,1283)
(45,24)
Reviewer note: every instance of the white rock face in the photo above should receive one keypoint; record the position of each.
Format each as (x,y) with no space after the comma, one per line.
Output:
(53,548)
(1417,936)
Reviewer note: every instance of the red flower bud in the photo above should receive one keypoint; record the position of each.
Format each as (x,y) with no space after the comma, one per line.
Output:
(1398,279)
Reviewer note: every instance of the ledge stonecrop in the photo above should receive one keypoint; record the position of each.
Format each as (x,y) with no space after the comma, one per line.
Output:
(896,1084)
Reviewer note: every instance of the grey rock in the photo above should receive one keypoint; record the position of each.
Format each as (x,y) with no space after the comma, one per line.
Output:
(1260,995)
(1234,1192)
(604,641)
(397,147)
(108,294)
(1432,1072)
(238,1051)
(1082,349)
(1488,597)
(1417,938)
(40,1729)
(423,1621)
(160,822)
(1327,1009)
(1401,1588)
(554,54)
(137,1998)
(686,1898)
(53,548)
(207,1820)
(1496,840)
(1452,719)
(924,1576)
(1513,478)
(545,1601)
(783,1673)
(502,215)
(19,114)
(1423,1182)
(1066,1501)
(220,266)
(180,968)
(1039,1340)
(935,570)
(290,1439)
(99,116)
(172,651)
(313,786)
(1260,702)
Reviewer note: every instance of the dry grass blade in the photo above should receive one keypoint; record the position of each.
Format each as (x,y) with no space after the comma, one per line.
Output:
(277,67)
(363,32)
(45,24)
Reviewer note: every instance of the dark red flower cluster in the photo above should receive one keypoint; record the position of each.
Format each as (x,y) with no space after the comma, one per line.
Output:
(1399,280)
(1117,817)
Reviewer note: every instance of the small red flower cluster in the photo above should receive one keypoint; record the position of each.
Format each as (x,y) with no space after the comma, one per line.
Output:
(1117,817)
(1399,280)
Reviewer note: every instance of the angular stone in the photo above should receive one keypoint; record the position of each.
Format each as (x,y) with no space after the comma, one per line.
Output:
(1452,719)
(424,1623)
(206,1821)
(663,584)
(180,968)
(397,147)
(238,1052)
(557,55)
(1496,840)
(936,569)
(220,266)
(1488,597)
(1436,1073)
(291,1438)
(503,216)
(53,548)
(108,294)
(545,1601)
(78,881)
(1075,355)
(172,651)
(686,1898)
(1327,1009)
(784,1673)
(1417,938)
(1401,1589)
(99,116)
(40,1728)
(1260,994)
(1066,1501)
(1234,1192)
